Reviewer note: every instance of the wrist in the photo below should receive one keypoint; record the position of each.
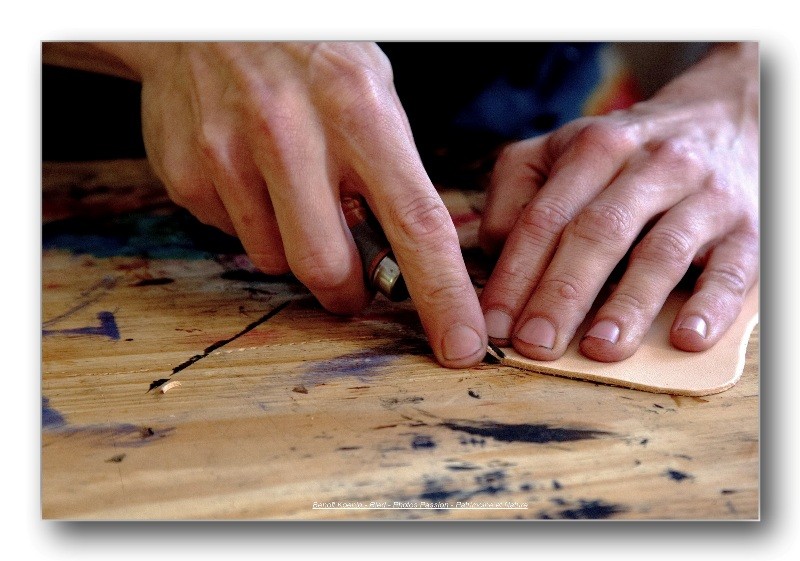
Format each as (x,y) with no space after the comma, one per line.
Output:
(140,58)
(131,60)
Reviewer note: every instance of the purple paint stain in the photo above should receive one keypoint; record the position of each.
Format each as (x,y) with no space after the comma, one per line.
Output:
(107,328)
(366,363)
(51,418)
(123,435)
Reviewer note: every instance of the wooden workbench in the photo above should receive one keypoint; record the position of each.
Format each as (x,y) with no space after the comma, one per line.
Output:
(284,411)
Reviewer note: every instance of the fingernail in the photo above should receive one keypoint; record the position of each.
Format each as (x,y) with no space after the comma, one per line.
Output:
(461,342)
(606,330)
(538,332)
(498,324)
(696,324)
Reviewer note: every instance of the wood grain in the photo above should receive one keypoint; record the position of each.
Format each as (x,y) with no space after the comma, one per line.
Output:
(282,405)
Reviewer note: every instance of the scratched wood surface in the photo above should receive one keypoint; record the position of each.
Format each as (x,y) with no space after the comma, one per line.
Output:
(286,412)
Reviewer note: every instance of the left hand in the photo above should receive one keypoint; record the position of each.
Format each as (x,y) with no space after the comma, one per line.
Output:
(680,168)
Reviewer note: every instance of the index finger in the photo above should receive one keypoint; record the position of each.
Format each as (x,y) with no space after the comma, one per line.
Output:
(423,237)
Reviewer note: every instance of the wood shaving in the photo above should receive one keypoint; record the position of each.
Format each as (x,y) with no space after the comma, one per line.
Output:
(169,385)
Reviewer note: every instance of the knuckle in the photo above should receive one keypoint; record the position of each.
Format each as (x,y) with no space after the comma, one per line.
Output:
(675,155)
(320,268)
(561,288)
(717,184)
(278,118)
(604,223)
(728,278)
(515,273)
(423,217)
(442,295)
(665,246)
(212,147)
(629,302)
(607,135)
(544,219)
(364,106)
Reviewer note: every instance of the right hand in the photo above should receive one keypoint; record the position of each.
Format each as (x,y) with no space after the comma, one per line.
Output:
(261,140)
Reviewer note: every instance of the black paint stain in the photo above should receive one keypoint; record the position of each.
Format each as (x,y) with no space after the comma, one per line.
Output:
(349,448)
(534,433)
(473,441)
(422,441)
(116,459)
(586,510)
(392,402)
(435,492)
(676,475)
(299,389)
(490,483)
(154,282)
(728,491)
(462,467)
(474,394)
(157,384)
(556,484)
(277,309)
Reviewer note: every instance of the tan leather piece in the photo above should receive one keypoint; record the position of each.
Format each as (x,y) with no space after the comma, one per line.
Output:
(657,366)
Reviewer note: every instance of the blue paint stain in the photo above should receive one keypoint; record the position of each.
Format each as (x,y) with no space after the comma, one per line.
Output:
(174,234)
(51,419)
(676,475)
(107,328)
(422,441)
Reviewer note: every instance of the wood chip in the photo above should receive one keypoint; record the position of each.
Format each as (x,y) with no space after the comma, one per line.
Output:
(169,385)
